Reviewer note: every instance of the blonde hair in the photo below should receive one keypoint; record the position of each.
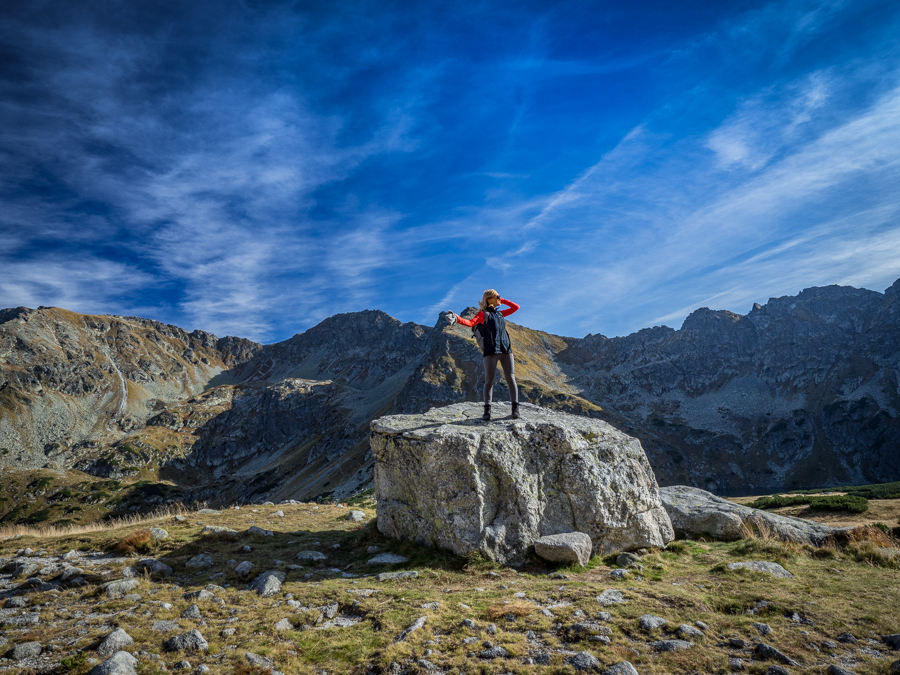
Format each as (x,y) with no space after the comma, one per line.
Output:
(487,295)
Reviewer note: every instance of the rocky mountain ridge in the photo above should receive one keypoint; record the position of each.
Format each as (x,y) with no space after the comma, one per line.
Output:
(804,390)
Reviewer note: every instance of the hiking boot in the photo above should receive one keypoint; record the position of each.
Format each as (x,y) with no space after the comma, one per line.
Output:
(515,411)
(487,413)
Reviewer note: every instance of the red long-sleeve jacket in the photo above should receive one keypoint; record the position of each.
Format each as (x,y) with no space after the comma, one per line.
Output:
(479,318)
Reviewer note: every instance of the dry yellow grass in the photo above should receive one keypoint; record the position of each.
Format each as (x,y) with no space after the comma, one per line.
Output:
(841,591)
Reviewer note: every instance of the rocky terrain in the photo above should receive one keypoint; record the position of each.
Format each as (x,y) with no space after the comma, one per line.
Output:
(105,415)
(303,588)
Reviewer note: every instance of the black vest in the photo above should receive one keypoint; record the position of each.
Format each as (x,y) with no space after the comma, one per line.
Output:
(496,339)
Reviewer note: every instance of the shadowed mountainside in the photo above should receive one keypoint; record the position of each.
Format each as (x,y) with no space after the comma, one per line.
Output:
(800,391)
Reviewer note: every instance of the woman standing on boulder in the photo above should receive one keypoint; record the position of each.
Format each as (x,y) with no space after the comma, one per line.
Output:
(495,346)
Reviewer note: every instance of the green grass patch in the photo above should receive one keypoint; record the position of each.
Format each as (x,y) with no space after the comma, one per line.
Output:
(851,503)
(874,491)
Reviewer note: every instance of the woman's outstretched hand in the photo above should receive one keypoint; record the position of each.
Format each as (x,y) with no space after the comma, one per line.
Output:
(451,315)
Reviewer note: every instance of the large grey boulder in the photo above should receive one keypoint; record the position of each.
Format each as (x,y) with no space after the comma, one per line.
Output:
(570,547)
(696,512)
(446,479)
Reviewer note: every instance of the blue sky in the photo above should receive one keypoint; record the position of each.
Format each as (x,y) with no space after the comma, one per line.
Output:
(250,168)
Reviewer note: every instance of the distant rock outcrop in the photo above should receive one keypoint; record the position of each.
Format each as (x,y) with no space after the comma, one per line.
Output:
(447,479)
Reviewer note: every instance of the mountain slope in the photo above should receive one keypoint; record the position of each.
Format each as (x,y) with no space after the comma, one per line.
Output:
(800,391)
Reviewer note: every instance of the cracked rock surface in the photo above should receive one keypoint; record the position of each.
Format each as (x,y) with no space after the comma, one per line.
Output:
(498,487)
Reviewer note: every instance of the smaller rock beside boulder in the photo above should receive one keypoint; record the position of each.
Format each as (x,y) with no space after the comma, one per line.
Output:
(569,547)
(356,516)
(696,512)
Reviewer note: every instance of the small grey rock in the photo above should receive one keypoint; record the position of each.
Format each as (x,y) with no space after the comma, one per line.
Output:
(201,560)
(243,570)
(202,594)
(492,629)
(701,625)
(776,670)
(621,668)
(895,667)
(542,658)
(766,652)
(114,642)
(652,622)
(468,623)
(837,670)
(736,664)
(311,556)
(671,645)
(15,602)
(828,644)
(387,576)
(25,650)
(284,624)
(260,532)
(182,665)
(847,638)
(604,616)
(493,653)
(763,628)
(611,596)
(356,516)
(268,584)
(772,568)
(259,661)
(686,632)
(619,574)
(158,533)
(387,559)
(190,641)
(737,643)
(165,626)
(624,560)
(227,632)
(413,627)
(192,612)
(583,661)
(120,663)
(118,588)
(892,641)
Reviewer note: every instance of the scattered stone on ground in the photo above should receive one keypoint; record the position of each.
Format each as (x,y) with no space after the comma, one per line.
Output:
(766,652)
(120,663)
(114,642)
(268,583)
(414,626)
(189,642)
(671,645)
(387,559)
(652,622)
(772,568)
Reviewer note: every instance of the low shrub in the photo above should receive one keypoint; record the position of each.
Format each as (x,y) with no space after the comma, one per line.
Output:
(138,541)
(851,503)
(74,662)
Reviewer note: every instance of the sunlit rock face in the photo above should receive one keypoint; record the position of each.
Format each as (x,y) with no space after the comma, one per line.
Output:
(446,479)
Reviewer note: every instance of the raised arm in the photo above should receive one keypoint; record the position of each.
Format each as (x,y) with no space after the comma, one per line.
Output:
(513,307)
(478,318)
